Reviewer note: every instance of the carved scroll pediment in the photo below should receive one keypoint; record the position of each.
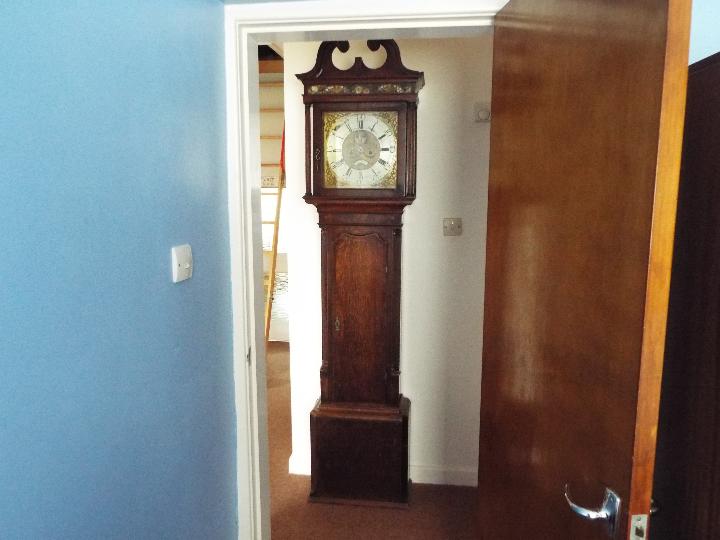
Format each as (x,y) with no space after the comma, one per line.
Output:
(390,78)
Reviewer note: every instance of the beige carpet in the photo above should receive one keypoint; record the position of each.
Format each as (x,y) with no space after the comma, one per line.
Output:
(435,513)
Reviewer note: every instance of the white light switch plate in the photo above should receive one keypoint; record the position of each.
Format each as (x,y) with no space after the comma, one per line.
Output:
(182,263)
(452,226)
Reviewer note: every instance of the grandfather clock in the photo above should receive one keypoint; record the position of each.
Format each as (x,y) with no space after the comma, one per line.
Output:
(360,130)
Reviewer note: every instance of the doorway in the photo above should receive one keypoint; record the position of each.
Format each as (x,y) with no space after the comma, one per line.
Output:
(246,26)
(441,341)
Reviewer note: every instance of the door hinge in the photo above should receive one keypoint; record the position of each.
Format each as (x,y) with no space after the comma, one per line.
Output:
(248,357)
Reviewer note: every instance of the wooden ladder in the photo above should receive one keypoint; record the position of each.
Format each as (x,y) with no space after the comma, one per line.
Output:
(270,286)
(269,186)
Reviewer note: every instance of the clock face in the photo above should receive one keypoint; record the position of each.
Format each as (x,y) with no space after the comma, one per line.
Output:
(360,149)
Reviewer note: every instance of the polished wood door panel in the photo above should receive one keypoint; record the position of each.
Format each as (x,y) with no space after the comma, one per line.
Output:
(359,345)
(687,473)
(587,117)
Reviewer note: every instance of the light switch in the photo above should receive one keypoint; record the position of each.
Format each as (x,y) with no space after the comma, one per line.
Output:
(452,226)
(182,263)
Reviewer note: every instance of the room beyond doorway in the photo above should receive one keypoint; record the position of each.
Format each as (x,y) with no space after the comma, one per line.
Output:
(247,25)
(435,512)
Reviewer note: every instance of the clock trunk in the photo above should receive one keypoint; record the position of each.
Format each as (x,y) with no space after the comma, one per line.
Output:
(361,269)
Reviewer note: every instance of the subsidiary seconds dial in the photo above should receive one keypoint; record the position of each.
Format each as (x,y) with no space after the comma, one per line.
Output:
(360,150)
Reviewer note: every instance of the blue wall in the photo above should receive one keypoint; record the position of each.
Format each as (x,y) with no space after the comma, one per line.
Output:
(116,396)
(705,34)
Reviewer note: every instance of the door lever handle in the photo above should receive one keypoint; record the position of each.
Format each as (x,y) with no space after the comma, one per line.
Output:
(608,512)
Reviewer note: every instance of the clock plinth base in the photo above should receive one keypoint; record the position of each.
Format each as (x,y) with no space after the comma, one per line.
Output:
(360,454)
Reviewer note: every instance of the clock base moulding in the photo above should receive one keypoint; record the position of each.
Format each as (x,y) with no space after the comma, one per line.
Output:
(360,454)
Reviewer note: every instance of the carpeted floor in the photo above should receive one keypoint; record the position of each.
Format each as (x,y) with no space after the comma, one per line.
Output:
(435,513)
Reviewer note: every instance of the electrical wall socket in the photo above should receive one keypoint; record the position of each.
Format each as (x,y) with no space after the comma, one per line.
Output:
(482,113)
(452,226)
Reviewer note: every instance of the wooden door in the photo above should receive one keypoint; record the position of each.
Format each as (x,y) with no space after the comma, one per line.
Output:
(588,106)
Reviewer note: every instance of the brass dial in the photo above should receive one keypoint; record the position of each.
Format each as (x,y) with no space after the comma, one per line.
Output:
(360,149)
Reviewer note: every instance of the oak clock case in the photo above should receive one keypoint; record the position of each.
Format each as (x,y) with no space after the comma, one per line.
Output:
(360,129)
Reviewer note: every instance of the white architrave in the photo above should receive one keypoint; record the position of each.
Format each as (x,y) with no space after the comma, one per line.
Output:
(245,26)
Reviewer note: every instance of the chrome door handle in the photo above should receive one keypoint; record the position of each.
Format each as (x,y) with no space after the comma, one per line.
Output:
(608,512)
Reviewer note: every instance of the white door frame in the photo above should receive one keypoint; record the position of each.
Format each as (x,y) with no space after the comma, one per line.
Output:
(245,26)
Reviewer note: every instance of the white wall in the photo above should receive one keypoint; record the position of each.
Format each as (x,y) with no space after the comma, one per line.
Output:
(443,277)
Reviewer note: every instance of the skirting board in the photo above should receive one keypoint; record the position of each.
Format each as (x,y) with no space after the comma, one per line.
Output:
(419,474)
(432,474)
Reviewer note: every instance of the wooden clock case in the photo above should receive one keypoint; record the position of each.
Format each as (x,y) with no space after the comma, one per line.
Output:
(359,426)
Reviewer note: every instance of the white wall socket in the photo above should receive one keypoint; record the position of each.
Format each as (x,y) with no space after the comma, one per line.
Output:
(482,113)
(452,226)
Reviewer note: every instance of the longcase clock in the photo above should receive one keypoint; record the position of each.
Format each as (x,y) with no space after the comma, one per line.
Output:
(360,128)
